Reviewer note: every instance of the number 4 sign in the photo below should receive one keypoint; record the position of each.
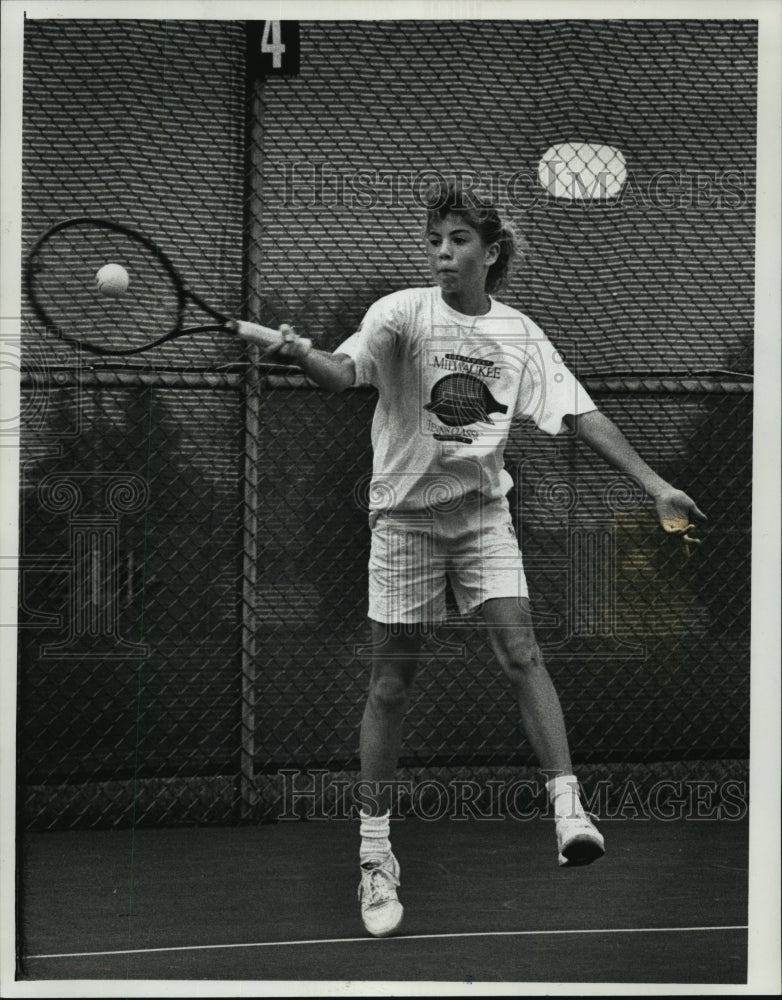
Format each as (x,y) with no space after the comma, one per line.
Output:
(273,48)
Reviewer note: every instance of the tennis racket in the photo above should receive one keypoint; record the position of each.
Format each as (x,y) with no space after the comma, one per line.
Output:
(142,304)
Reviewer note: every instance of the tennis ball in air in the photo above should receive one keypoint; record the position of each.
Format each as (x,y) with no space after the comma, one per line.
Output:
(112,279)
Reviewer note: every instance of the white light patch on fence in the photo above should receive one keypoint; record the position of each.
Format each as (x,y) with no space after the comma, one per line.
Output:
(582,171)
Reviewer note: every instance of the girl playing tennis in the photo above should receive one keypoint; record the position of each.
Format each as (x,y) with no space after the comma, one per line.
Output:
(455,368)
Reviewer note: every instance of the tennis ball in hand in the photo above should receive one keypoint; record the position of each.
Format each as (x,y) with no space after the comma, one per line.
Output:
(112,280)
(676,524)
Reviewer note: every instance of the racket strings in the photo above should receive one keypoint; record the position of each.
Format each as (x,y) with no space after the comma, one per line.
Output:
(64,288)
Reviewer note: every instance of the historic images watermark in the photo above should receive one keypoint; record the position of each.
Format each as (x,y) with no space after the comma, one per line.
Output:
(319,795)
(76,576)
(318,183)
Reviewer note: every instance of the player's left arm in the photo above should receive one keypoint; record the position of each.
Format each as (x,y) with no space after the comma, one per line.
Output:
(677,512)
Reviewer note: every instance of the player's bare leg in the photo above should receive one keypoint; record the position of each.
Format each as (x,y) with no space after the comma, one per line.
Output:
(513,641)
(394,661)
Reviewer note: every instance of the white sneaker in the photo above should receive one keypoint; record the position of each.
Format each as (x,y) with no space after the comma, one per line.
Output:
(579,841)
(381,911)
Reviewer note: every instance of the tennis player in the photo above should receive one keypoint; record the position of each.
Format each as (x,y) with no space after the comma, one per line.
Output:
(456,369)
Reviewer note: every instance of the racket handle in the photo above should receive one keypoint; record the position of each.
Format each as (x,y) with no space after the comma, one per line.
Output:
(271,340)
(268,338)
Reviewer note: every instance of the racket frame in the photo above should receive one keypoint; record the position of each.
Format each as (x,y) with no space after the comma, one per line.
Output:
(222,324)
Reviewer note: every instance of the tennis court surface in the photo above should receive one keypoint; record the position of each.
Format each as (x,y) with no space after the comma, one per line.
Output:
(485,902)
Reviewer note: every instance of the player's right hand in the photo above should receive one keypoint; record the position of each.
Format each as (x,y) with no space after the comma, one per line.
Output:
(293,346)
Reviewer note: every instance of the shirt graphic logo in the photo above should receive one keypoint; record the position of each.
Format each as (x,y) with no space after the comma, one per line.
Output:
(459,400)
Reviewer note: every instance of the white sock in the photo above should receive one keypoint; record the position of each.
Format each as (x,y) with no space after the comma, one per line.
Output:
(564,797)
(374,831)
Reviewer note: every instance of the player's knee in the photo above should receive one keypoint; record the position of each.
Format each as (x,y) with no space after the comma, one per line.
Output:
(389,693)
(519,655)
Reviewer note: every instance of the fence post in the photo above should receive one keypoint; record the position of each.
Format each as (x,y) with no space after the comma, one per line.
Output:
(252,301)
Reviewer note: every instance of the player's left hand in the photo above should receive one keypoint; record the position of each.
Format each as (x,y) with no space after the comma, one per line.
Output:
(678,513)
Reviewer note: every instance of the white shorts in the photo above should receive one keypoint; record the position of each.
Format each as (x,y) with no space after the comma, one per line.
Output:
(473,546)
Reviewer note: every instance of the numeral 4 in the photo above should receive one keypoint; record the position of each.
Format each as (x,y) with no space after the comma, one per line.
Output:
(272,42)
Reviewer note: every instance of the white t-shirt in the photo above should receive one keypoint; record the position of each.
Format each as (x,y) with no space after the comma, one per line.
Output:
(449,387)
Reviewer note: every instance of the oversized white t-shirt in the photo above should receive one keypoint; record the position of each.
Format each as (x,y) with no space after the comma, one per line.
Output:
(450,385)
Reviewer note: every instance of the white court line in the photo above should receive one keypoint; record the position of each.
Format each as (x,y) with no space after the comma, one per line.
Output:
(400,937)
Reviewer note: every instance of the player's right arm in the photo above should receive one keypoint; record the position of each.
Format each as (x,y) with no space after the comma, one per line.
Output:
(362,359)
(335,372)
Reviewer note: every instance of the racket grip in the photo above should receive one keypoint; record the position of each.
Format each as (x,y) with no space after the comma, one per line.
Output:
(267,337)
(272,340)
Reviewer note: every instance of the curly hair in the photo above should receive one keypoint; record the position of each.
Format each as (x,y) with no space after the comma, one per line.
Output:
(454,198)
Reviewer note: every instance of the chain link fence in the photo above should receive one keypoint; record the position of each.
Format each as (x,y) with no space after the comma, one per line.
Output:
(194,542)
